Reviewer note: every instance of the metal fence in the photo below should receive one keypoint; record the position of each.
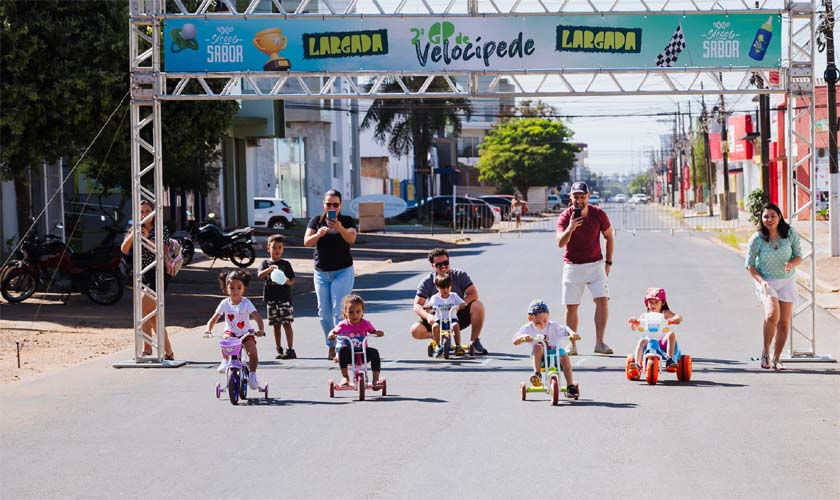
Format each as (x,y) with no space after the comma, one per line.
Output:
(637,217)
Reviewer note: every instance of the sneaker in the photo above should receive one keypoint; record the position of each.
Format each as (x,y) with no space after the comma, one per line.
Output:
(536,380)
(571,349)
(438,351)
(573,391)
(670,365)
(635,371)
(459,350)
(279,352)
(222,366)
(478,348)
(290,354)
(331,353)
(603,349)
(252,382)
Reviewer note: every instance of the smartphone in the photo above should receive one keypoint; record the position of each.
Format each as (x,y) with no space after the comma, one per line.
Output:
(331,214)
(576,213)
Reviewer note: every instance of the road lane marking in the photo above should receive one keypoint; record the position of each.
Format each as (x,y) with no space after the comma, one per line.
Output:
(391,363)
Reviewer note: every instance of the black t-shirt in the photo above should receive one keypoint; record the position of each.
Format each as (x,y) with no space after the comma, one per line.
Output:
(272,291)
(332,253)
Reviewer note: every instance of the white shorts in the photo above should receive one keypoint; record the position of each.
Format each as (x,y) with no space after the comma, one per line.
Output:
(784,290)
(578,276)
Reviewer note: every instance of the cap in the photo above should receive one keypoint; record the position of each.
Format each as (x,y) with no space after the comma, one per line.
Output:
(656,293)
(579,187)
(537,306)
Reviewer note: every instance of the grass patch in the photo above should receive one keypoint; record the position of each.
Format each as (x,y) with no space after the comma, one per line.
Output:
(730,239)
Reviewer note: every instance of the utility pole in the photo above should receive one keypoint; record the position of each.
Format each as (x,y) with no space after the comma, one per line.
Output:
(764,136)
(831,77)
(707,155)
(724,146)
(693,160)
(674,160)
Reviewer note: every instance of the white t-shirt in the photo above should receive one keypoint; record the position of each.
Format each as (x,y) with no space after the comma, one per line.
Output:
(554,333)
(442,306)
(237,316)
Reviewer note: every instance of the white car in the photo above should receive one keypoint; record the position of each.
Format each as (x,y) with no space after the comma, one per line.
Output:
(620,198)
(272,213)
(639,198)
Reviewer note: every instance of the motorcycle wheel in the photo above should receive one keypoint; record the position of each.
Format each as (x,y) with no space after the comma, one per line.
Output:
(243,255)
(187,250)
(18,285)
(104,288)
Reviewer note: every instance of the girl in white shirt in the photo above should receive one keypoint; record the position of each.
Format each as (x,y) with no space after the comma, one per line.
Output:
(237,311)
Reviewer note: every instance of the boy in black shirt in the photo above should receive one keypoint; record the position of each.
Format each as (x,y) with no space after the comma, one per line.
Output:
(278,297)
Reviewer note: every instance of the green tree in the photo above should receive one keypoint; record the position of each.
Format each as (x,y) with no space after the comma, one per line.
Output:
(64,72)
(640,184)
(526,152)
(411,124)
(532,109)
(699,170)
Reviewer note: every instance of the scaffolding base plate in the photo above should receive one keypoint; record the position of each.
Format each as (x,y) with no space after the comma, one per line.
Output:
(808,358)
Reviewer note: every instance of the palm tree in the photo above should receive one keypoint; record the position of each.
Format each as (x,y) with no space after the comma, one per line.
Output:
(411,123)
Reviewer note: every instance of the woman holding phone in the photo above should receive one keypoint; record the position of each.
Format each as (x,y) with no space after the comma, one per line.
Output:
(331,234)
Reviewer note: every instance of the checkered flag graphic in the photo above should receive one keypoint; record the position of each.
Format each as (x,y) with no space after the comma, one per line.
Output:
(669,54)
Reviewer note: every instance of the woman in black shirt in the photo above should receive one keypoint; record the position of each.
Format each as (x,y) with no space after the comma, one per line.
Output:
(331,234)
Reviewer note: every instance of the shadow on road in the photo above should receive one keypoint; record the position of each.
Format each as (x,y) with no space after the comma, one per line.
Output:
(289,402)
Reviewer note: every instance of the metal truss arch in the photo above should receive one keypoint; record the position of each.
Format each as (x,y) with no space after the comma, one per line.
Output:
(150,86)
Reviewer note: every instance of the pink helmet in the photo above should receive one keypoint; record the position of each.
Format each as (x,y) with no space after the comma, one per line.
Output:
(656,293)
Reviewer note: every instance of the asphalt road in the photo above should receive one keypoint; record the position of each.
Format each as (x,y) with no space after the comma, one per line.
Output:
(455,429)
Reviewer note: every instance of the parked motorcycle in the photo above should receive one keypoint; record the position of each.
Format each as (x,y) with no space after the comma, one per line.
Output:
(48,265)
(236,246)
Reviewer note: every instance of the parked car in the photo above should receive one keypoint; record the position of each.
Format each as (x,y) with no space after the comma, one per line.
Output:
(499,201)
(272,213)
(594,199)
(639,198)
(475,211)
(620,198)
(557,202)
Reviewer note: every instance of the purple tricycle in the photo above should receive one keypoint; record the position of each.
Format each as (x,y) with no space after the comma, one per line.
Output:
(236,370)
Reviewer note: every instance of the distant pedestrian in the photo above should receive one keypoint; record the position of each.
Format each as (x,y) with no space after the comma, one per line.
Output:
(579,230)
(773,254)
(147,257)
(278,297)
(516,210)
(331,234)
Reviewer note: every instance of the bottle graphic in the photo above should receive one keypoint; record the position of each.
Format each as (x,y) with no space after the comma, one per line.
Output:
(762,40)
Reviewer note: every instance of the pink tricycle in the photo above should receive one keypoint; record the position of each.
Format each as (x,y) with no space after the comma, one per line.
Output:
(359,370)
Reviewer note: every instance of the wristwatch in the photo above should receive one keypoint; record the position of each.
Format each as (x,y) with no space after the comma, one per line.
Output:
(608,262)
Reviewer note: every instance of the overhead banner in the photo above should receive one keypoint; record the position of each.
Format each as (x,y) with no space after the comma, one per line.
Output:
(434,44)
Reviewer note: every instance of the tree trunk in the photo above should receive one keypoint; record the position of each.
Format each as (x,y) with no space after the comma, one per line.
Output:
(24,205)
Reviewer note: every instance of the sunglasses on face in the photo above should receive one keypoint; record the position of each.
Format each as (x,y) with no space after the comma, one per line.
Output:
(443,263)
(332,205)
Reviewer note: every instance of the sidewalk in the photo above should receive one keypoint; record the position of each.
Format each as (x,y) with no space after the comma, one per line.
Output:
(53,335)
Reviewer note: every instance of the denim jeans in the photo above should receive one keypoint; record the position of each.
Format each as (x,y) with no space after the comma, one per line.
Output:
(331,287)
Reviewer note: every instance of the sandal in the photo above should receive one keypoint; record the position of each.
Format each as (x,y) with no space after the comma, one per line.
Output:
(170,357)
(777,365)
(765,361)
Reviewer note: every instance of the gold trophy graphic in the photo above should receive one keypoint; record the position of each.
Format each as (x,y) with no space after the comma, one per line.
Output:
(271,41)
